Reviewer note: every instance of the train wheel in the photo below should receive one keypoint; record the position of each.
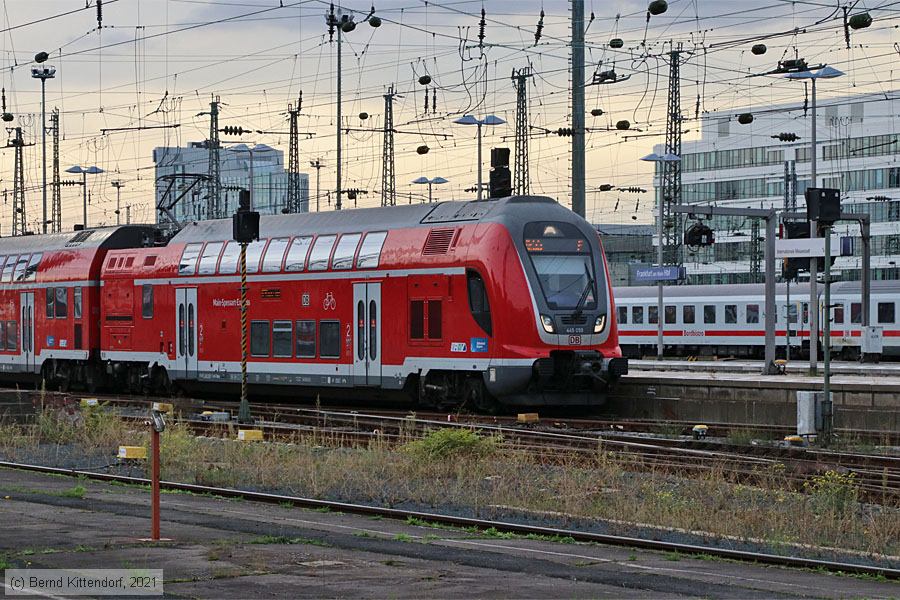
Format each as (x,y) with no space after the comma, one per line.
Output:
(476,395)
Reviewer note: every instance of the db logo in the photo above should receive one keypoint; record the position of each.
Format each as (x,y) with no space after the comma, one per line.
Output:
(574,340)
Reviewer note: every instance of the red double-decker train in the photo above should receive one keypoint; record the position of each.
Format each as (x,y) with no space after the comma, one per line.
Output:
(457,302)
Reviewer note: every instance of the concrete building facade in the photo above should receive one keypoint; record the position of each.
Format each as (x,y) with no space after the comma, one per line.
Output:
(732,164)
(270,180)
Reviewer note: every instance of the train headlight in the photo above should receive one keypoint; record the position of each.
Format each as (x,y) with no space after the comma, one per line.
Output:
(600,323)
(547,322)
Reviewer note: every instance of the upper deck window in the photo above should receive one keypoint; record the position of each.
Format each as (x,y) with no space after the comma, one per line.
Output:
(19,274)
(31,269)
(274,255)
(254,253)
(370,251)
(230,257)
(296,256)
(210,258)
(8,268)
(188,263)
(346,248)
(318,259)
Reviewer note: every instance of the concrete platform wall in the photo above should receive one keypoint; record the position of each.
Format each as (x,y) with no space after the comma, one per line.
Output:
(771,401)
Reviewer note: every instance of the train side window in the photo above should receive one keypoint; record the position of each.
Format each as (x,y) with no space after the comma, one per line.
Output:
(254,253)
(62,305)
(274,255)
(478,301)
(709,313)
(731,313)
(230,257)
(688,314)
(318,258)
(622,315)
(282,339)
(21,264)
(637,315)
(329,339)
(8,268)
(885,312)
(51,302)
(671,314)
(417,319)
(146,301)
(806,312)
(346,248)
(838,315)
(188,263)
(31,269)
(370,251)
(435,320)
(306,339)
(856,313)
(76,302)
(653,314)
(296,256)
(12,335)
(793,314)
(259,338)
(753,313)
(210,258)
(2,336)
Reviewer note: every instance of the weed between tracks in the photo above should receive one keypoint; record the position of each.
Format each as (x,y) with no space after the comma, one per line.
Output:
(460,471)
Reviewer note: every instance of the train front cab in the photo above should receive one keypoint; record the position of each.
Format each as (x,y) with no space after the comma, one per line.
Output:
(565,318)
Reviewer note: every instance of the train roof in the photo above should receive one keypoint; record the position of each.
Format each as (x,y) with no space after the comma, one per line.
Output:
(124,236)
(370,219)
(748,289)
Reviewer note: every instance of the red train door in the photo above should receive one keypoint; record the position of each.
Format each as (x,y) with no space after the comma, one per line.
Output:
(367,346)
(27,320)
(186,325)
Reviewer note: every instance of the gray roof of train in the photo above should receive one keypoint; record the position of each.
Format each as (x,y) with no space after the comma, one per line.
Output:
(371,219)
(125,236)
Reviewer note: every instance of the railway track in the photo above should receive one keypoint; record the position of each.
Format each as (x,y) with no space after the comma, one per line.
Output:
(484,524)
(876,477)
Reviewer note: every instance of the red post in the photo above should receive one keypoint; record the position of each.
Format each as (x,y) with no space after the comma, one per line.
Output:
(154,486)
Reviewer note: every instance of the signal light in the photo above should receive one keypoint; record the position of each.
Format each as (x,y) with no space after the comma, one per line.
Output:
(500,182)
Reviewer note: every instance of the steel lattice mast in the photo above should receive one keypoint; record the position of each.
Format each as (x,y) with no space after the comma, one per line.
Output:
(388,176)
(671,178)
(213,200)
(293,188)
(56,204)
(19,185)
(521,180)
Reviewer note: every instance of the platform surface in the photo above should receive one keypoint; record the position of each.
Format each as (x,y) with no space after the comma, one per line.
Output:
(238,549)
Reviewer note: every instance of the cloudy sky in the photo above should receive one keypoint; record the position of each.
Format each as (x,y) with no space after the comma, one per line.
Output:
(158,63)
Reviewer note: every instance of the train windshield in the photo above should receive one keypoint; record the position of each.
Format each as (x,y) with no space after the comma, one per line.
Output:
(562,259)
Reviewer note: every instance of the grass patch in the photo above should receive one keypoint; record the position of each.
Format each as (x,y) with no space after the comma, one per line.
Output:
(403,537)
(745,436)
(74,492)
(283,539)
(6,564)
(442,444)
(673,556)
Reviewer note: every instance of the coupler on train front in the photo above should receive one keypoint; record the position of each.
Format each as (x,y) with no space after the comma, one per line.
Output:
(565,378)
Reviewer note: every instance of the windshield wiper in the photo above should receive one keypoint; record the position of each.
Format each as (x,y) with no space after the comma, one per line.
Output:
(587,289)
